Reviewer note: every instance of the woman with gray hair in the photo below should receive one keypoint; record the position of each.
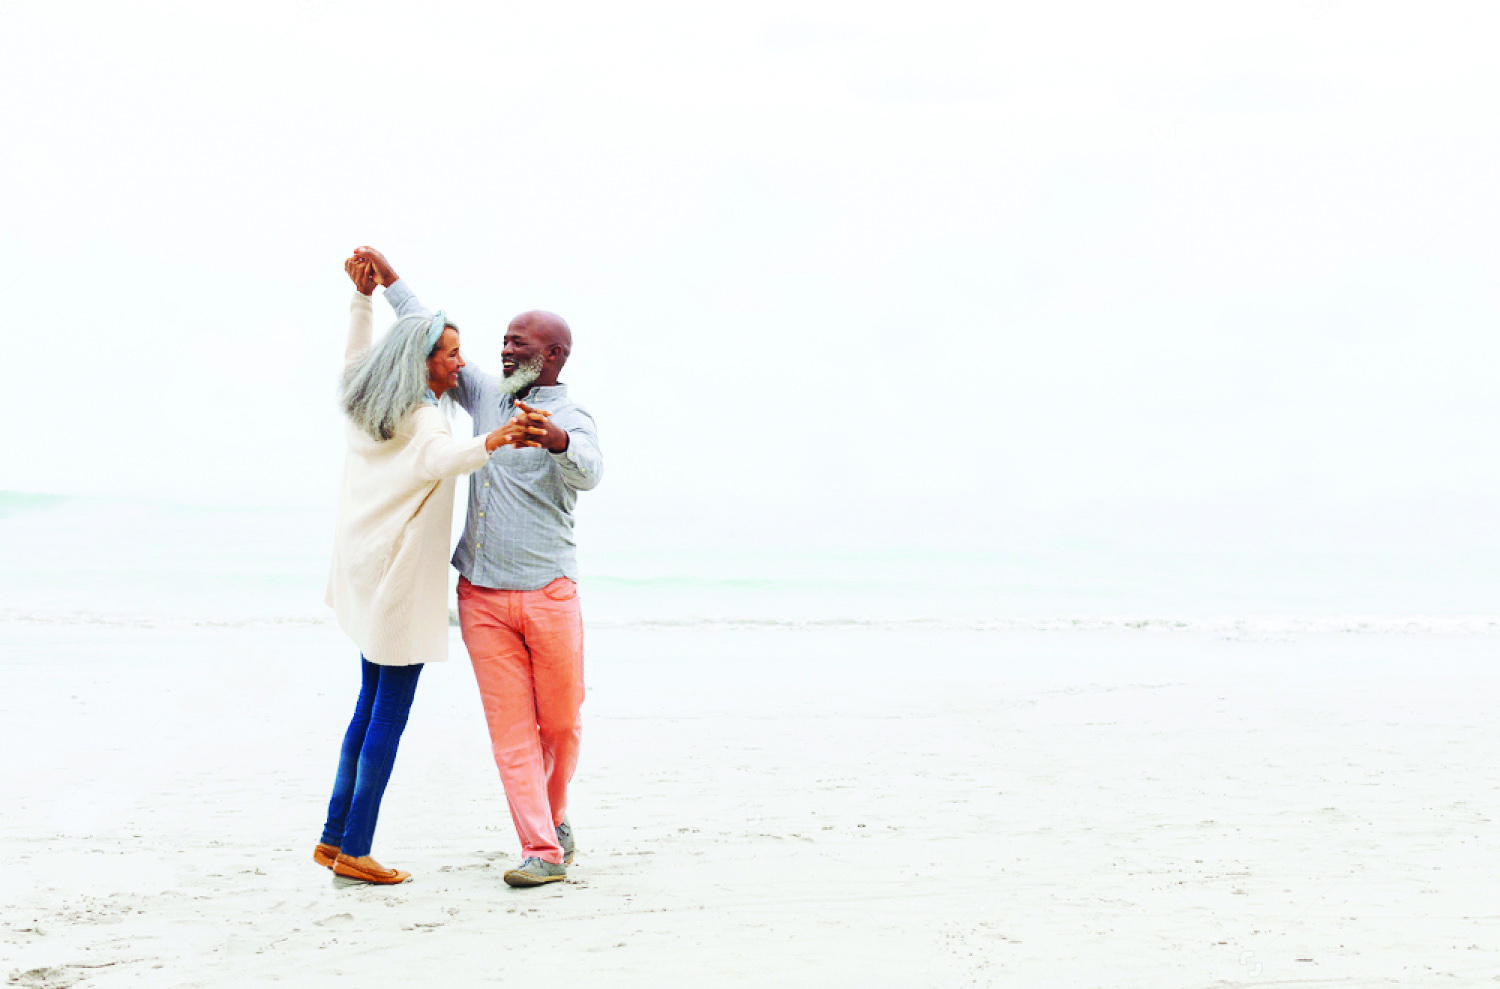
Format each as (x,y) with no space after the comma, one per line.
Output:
(388,584)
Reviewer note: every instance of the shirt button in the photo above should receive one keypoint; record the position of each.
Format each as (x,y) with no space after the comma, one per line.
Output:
(481,515)
(486,483)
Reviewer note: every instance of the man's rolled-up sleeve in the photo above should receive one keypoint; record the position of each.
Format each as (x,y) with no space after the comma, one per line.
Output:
(581,464)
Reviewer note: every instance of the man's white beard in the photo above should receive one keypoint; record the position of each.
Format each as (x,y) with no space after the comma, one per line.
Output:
(522,377)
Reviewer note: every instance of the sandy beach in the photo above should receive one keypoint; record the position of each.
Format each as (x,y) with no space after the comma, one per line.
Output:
(860,807)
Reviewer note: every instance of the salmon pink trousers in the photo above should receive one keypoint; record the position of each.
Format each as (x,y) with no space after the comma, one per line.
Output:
(527,651)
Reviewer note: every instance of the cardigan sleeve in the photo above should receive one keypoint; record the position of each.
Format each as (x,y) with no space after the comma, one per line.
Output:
(438,454)
(361,317)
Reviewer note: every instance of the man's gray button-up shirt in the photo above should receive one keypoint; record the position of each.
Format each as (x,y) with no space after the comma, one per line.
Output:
(519,532)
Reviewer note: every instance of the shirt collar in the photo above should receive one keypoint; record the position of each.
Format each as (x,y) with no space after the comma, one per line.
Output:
(543,393)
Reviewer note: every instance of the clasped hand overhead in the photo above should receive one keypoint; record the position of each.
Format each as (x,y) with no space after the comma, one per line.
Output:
(529,427)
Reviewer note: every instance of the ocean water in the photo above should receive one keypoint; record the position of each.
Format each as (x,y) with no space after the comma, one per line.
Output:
(100,560)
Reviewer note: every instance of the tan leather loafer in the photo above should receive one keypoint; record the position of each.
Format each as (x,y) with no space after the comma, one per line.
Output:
(324,854)
(346,872)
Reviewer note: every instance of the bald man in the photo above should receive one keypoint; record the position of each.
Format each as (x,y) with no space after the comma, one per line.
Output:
(518,593)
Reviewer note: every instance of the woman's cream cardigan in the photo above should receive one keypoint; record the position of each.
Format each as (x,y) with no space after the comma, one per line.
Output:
(389,580)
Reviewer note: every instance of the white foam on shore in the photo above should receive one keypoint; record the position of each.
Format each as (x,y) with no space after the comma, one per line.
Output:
(1415,625)
(1237,627)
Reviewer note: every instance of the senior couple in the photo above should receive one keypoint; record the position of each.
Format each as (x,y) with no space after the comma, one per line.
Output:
(532,451)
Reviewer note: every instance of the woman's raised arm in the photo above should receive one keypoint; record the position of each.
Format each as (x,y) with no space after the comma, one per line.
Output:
(361,311)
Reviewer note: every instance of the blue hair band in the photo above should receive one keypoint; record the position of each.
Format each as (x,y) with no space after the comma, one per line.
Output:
(435,332)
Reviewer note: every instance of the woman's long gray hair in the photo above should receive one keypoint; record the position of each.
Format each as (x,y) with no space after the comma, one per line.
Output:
(389,379)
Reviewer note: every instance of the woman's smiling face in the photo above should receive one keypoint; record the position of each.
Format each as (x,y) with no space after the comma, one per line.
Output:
(444,364)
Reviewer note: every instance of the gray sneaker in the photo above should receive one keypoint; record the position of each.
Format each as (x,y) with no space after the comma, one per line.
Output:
(535,872)
(565,839)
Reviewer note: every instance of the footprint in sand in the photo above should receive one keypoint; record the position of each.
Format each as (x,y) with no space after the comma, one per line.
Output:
(41,978)
(57,976)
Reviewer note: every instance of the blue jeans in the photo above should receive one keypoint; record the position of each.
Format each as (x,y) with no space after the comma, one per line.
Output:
(368,754)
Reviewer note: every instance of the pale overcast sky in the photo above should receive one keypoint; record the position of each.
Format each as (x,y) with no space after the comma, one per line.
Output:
(935,271)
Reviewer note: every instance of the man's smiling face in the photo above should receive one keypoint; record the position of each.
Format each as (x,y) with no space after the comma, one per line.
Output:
(523,346)
(536,347)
